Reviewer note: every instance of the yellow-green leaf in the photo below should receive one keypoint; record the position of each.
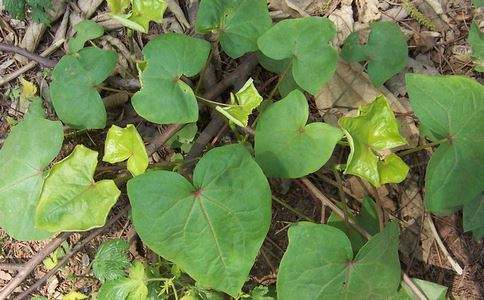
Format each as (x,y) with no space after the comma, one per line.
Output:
(242,104)
(373,131)
(126,143)
(71,200)
(137,14)
(74,296)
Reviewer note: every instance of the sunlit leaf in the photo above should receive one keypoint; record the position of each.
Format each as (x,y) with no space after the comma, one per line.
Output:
(137,14)
(319,264)
(386,51)
(371,132)
(51,261)
(306,43)
(476,40)
(285,146)
(85,30)
(74,296)
(71,200)
(164,98)
(131,288)
(29,90)
(126,143)
(242,104)
(221,218)
(111,260)
(451,107)
(237,22)
(73,89)
(24,157)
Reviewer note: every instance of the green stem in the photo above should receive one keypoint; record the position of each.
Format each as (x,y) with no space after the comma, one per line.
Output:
(296,212)
(159,279)
(422,147)
(281,78)
(204,71)
(211,102)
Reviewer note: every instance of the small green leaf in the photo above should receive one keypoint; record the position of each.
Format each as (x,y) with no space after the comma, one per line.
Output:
(126,143)
(70,199)
(16,8)
(431,290)
(164,98)
(242,104)
(476,40)
(140,14)
(374,130)
(111,260)
(184,137)
(319,264)
(451,107)
(386,51)
(38,10)
(24,157)
(73,89)
(51,261)
(221,218)
(131,288)
(306,43)
(85,30)
(285,146)
(367,218)
(239,23)
(473,217)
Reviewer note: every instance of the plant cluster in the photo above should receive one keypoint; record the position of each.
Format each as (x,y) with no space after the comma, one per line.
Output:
(212,225)
(38,9)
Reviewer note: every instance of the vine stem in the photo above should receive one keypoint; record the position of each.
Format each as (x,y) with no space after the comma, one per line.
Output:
(422,147)
(293,210)
(281,78)
(211,102)
(313,190)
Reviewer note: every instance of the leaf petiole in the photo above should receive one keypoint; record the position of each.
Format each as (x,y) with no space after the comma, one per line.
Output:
(422,147)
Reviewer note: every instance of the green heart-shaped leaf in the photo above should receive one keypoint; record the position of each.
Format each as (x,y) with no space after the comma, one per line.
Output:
(374,129)
(285,146)
(473,220)
(126,143)
(386,51)
(71,200)
(306,42)
(451,107)
(73,89)
(222,218)
(141,13)
(26,153)
(319,264)
(476,40)
(130,288)
(242,104)
(239,23)
(164,98)
(85,30)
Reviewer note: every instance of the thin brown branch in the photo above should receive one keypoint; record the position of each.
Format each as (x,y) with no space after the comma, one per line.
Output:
(32,263)
(48,63)
(74,250)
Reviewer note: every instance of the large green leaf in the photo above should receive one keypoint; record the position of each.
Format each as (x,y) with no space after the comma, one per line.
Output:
(367,219)
(85,30)
(211,228)
(71,200)
(473,217)
(386,51)
(451,107)
(26,153)
(370,133)
(126,143)
(73,89)
(164,98)
(319,264)
(239,23)
(242,104)
(111,260)
(306,42)
(137,14)
(476,39)
(129,288)
(285,146)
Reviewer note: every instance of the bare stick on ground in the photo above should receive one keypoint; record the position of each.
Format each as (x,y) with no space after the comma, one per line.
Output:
(48,63)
